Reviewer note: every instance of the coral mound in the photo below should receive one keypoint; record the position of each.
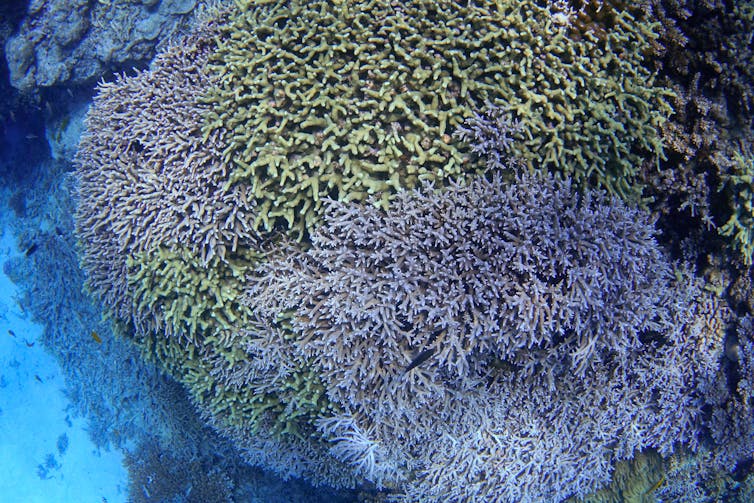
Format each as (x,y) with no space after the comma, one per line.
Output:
(439,330)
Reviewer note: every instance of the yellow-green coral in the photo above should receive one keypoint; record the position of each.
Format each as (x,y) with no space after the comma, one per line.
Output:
(634,481)
(740,186)
(288,408)
(183,296)
(350,98)
(173,288)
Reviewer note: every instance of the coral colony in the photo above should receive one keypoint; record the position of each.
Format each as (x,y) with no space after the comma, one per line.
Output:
(398,245)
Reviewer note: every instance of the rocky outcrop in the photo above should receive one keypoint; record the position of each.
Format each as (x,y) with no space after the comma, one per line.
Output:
(74,42)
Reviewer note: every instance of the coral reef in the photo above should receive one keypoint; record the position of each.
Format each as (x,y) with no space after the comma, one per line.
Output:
(128,402)
(176,294)
(146,178)
(178,265)
(732,422)
(720,32)
(633,481)
(706,54)
(694,479)
(338,226)
(738,185)
(496,288)
(157,476)
(466,274)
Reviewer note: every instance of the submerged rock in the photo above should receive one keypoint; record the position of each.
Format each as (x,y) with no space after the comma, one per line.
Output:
(74,42)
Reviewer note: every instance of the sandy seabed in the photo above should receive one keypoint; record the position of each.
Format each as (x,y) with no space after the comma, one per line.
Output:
(46,455)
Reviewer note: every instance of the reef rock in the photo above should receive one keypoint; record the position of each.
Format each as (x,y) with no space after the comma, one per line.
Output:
(73,42)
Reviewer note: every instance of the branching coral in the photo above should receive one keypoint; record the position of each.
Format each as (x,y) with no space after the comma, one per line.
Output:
(349,99)
(508,271)
(503,336)
(167,243)
(176,294)
(457,328)
(147,177)
(739,185)
(147,180)
(707,59)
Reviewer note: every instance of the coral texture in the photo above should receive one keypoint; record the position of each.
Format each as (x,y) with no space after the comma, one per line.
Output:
(147,178)
(348,99)
(507,336)
(732,422)
(706,57)
(492,340)
(482,269)
(738,185)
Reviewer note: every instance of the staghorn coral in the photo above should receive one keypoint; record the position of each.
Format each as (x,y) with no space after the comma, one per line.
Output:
(633,481)
(147,178)
(739,184)
(157,476)
(176,294)
(706,58)
(124,399)
(716,471)
(489,280)
(490,134)
(166,243)
(689,479)
(353,98)
(732,421)
(719,34)
(479,269)
(506,340)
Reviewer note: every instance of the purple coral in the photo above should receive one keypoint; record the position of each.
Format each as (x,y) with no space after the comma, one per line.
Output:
(507,340)
(731,424)
(490,133)
(147,178)
(505,270)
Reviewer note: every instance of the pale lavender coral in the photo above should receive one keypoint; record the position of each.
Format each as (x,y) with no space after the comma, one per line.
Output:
(509,271)
(560,340)
(148,178)
(745,386)
(491,134)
